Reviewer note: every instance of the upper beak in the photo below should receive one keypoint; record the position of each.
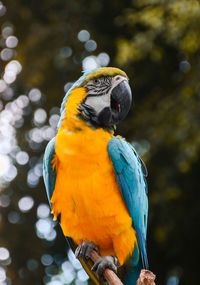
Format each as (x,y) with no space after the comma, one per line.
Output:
(121,99)
(120,104)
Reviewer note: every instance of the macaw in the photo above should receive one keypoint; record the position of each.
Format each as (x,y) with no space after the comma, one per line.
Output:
(95,181)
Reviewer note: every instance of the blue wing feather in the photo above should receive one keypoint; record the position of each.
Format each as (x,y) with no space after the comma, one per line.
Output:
(130,173)
(49,174)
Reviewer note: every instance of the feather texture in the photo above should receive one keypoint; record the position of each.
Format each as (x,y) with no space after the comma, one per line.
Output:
(49,174)
(96,185)
(131,179)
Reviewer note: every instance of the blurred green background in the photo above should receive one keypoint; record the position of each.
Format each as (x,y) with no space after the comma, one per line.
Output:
(43,46)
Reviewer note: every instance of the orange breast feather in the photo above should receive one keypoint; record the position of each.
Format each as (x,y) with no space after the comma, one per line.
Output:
(86,194)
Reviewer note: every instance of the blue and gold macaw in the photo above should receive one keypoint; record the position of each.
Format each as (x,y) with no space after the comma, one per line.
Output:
(95,181)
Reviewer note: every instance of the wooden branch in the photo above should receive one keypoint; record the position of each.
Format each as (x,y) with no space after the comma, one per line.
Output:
(146,277)
(110,275)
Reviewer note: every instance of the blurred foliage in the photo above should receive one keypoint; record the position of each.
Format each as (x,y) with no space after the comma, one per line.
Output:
(157,43)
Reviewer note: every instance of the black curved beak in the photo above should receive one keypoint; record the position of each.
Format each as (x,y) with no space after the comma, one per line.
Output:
(121,100)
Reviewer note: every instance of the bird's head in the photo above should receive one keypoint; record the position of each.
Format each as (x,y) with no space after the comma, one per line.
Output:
(104,97)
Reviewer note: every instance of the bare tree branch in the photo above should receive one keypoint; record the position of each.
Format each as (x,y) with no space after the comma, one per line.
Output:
(110,276)
(146,277)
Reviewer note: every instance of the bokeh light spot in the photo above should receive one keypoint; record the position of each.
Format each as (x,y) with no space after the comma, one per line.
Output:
(11,42)
(4,164)
(9,76)
(4,201)
(25,204)
(184,66)
(74,261)
(11,173)
(22,157)
(90,62)
(40,116)
(3,85)
(82,275)
(53,121)
(90,45)
(43,211)
(48,133)
(7,31)
(32,179)
(36,135)
(2,9)
(13,217)
(52,235)
(4,254)
(44,226)
(13,66)
(6,54)
(83,36)
(35,95)
(65,52)
(2,275)
(46,259)
(103,59)
(22,101)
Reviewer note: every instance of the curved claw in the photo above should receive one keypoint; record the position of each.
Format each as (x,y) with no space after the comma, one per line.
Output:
(84,249)
(103,263)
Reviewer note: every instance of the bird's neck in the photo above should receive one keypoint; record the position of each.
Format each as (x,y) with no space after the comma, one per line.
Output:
(75,136)
(85,144)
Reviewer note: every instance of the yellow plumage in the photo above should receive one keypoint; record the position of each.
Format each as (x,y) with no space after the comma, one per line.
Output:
(86,195)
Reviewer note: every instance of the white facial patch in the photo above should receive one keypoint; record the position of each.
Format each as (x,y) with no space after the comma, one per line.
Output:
(98,103)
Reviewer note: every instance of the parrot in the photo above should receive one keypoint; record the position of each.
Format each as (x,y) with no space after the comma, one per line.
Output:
(96,181)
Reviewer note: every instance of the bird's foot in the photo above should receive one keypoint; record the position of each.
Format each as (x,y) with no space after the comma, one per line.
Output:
(104,262)
(85,249)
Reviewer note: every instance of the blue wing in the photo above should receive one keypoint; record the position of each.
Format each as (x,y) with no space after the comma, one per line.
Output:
(49,174)
(130,173)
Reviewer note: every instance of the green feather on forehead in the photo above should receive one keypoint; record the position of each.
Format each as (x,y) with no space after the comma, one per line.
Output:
(103,71)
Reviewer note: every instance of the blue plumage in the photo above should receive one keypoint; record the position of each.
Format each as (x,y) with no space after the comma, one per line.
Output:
(130,173)
(49,174)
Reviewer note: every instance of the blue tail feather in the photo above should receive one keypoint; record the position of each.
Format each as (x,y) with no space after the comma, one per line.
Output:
(143,251)
(131,274)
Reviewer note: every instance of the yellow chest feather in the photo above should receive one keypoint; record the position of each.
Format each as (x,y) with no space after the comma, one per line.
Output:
(86,195)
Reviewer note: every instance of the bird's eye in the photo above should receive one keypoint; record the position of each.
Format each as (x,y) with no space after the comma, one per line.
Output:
(96,81)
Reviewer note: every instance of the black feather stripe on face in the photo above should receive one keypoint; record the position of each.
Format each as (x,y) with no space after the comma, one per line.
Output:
(99,86)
